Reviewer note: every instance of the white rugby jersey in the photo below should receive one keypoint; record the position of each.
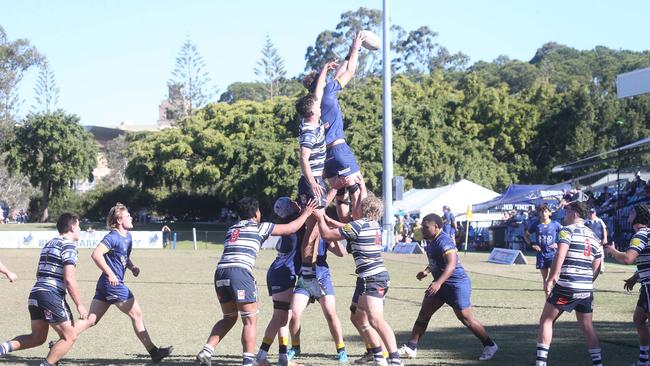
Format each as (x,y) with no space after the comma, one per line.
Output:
(576,274)
(56,254)
(640,244)
(243,241)
(312,136)
(364,237)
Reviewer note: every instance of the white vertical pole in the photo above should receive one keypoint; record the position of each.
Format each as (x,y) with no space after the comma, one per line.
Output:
(194,236)
(388,130)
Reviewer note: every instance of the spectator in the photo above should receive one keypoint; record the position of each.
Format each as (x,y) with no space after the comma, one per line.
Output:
(166,233)
(449,223)
(417,232)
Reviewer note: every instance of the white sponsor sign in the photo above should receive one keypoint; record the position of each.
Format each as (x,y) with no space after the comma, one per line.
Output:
(38,239)
(507,256)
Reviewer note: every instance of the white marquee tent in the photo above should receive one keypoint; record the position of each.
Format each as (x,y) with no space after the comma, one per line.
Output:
(457,196)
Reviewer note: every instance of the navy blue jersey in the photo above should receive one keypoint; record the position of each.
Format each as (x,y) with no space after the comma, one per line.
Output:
(545,234)
(447,220)
(331,112)
(321,256)
(243,241)
(364,239)
(57,253)
(597,226)
(436,250)
(641,244)
(119,251)
(286,257)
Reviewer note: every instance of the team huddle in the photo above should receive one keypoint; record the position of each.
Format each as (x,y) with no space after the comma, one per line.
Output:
(569,259)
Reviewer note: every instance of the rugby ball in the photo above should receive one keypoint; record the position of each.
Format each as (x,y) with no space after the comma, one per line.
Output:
(371,42)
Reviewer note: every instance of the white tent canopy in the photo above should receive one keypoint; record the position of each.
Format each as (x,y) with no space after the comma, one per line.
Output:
(457,196)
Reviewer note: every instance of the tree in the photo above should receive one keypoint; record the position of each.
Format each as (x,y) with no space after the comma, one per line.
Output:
(16,57)
(53,150)
(420,53)
(270,68)
(189,73)
(117,160)
(47,93)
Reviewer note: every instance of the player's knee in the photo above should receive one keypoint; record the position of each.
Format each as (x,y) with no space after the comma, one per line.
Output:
(38,338)
(248,316)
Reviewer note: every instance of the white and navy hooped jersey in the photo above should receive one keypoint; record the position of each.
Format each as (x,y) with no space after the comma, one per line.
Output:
(312,136)
(364,238)
(243,241)
(57,253)
(576,274)
(641,243)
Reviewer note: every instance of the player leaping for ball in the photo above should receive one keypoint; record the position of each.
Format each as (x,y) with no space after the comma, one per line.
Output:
(340,160)
(312,161)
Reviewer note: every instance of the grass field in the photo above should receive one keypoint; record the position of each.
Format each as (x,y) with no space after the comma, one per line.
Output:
(176,293)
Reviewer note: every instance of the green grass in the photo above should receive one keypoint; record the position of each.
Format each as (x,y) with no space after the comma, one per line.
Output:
(176,293)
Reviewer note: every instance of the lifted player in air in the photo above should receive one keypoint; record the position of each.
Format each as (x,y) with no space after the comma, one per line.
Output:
(113,256)
(233,279)
(55,276)
(450,285)
(340,159)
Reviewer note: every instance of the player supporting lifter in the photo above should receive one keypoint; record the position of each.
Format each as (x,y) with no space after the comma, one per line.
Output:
(364,242)
(450,285)
(312,161)
(280,282)
(340,159)
(233,279)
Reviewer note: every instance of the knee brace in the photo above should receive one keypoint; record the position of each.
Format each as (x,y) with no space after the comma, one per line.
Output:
(281,305)
(364,328)
(246,314)
(230,315)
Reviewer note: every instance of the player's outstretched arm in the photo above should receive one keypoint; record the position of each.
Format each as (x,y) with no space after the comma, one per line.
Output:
(295,225)
(70,278)
(627,257)
(325,232)
(8,273)
(357,212)
(554,273)
(351,69)
(322,78)
(337,248)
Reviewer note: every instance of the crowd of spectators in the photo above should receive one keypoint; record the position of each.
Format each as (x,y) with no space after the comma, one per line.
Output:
(13,217)
(612,207)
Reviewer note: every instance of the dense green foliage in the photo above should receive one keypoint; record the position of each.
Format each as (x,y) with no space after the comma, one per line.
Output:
(53,150)
(493,123)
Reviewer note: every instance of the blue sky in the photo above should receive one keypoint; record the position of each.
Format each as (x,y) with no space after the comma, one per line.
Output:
(112,59)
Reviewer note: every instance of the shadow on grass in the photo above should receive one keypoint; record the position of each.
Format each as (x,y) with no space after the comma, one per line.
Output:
(457,345)
(128,359)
